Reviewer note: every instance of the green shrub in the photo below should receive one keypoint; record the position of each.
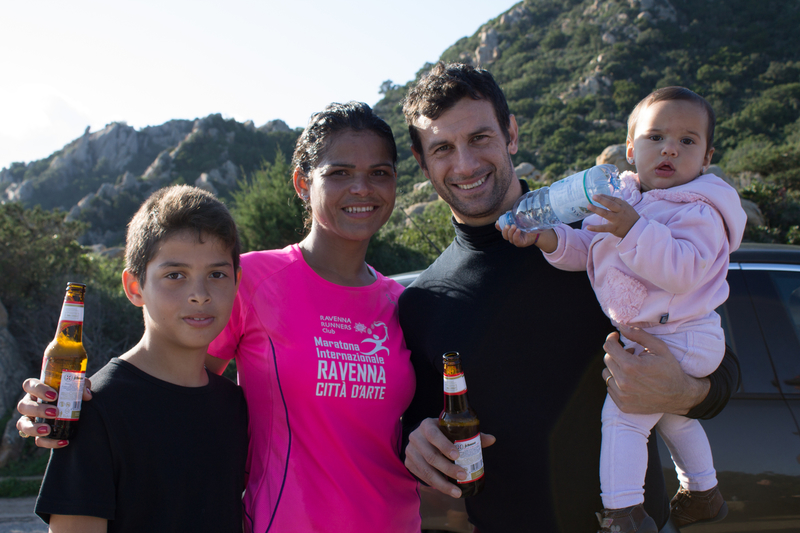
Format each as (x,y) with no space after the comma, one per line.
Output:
(267,211)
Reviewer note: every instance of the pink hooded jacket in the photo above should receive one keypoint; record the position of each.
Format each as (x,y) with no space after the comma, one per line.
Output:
(671,266)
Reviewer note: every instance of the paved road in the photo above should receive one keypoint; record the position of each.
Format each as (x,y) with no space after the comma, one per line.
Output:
(16,516)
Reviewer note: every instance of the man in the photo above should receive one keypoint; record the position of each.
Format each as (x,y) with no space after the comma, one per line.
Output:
(529,335)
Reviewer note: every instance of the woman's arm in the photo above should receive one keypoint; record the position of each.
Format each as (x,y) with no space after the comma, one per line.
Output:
(60,523)
(216,365)
(30,408)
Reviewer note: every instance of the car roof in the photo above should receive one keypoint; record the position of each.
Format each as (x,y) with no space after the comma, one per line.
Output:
(748,252)
(755,252)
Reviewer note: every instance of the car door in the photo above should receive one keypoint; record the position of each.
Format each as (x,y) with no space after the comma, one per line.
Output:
(756,439)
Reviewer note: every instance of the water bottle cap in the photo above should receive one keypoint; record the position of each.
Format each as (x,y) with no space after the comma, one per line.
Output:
(503,220)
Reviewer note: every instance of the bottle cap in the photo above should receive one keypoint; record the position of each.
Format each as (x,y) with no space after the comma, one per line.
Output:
(504,220)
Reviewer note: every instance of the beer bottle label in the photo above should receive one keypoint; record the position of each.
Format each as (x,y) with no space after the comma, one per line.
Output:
(70,394)
(455,384)
(72,313)
(470,458)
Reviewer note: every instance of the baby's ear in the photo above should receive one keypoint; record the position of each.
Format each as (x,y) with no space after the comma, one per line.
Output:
(707,160)
(133,289)
(629,150)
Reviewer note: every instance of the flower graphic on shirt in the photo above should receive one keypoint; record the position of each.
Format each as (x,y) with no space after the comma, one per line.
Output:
(376,341)
(361,328)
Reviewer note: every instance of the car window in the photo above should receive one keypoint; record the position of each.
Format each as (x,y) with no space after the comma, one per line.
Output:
(787,365)
(774,290)
(744,335)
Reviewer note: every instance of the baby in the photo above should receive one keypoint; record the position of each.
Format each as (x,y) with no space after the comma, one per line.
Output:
(657,258)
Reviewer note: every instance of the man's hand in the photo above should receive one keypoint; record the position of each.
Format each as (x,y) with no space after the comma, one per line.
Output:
(651,382)
(427,453)
(30,408)
(620,216)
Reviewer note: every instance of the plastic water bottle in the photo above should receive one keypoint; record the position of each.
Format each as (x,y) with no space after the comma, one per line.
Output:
(563,202)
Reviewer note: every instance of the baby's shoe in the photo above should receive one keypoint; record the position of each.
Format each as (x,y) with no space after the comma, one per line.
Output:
(628,520)
(690,506)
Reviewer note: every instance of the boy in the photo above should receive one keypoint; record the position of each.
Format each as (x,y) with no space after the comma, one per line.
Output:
(127,470)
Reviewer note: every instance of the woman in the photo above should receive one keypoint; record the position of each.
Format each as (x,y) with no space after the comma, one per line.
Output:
(318,347)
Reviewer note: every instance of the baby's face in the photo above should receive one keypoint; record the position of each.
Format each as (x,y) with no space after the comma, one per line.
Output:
(669,144)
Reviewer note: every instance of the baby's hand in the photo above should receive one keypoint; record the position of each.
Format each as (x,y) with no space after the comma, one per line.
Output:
(516,236)
(620,216)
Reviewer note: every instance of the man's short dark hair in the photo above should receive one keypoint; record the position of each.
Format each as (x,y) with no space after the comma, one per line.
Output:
(172,210)
(443,87)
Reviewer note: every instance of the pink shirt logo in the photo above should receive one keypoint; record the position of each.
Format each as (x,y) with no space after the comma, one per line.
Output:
(376,341)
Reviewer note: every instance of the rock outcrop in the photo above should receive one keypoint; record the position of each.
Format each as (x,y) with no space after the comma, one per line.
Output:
(488,50)
(13,369)
(13,372)
(615,155)
(273,125)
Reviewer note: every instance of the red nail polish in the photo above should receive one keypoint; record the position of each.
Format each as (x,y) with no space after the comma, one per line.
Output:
(51,412)
(63,442)
(42,430)
(50,395)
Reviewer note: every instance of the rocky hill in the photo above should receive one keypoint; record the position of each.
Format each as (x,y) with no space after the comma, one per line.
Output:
(103,176)
(572,71)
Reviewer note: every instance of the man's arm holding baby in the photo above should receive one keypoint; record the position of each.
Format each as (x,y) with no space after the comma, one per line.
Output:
(653,382)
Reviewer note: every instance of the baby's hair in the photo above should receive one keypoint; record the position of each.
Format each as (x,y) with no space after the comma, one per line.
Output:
(674,93)
(173,210)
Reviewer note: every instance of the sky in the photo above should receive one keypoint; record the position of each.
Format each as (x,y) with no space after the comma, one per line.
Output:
(68,65)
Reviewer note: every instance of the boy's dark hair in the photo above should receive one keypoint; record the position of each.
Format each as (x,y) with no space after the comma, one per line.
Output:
(675,93)
(335,118)
(443,87)
(172,210)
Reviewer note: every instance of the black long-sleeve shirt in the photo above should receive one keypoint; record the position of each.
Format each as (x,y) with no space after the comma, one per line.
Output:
(530,338)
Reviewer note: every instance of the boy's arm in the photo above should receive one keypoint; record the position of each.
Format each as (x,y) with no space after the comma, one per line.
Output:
(60,523)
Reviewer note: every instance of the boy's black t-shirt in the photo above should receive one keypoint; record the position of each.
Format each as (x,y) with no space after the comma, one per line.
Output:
(153,456)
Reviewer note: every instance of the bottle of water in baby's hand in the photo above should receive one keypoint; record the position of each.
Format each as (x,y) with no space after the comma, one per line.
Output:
(563,202)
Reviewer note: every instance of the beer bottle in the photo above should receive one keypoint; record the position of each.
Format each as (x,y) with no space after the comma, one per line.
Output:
(460,424)
(64,364)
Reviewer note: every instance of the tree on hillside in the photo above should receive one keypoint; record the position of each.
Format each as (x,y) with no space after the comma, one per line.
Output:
(40,254)
(572,72)
(40,250)
(266,208)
